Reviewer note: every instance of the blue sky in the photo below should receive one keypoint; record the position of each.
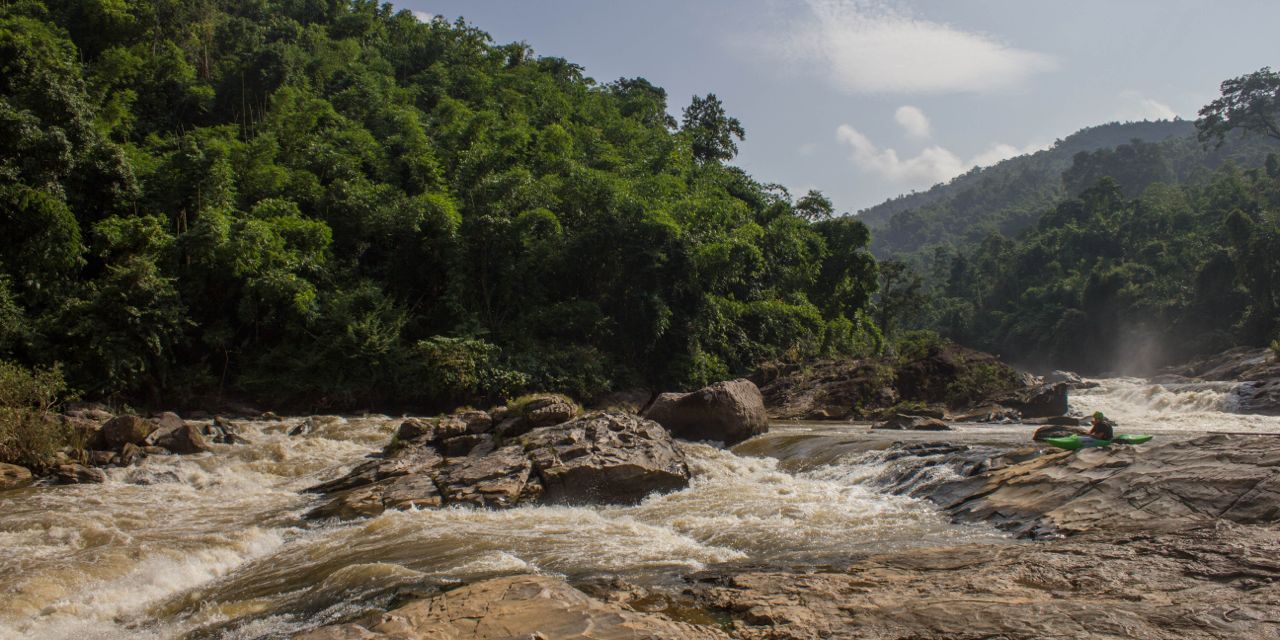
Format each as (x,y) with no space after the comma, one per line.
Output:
(867,99)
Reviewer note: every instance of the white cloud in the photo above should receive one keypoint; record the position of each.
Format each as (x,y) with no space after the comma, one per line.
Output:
(913,121)
(1134,107)
(424,16)
(872,46)
(932,165)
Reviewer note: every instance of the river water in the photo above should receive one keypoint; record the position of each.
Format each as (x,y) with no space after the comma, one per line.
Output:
(214,546)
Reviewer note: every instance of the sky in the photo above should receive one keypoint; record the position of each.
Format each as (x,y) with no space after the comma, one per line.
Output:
(867,99)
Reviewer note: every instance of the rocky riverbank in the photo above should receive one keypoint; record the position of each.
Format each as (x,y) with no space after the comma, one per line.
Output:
(1173,541)
(1256,369)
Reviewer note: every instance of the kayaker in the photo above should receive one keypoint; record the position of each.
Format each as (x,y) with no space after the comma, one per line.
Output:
(1102,427)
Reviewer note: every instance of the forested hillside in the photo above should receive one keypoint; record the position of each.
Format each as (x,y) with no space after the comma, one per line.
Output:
(1009,197)
(331,203)
(1152,258)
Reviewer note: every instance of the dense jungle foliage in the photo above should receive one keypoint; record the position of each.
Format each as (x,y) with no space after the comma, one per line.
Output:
(331,203)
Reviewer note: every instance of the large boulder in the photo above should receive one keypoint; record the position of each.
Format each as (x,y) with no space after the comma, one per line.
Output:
(515,608)
(12,476)
(608,456)
(122,430)
(184,438)
(433,462)
(727,412)
(75,473)
(1042,401)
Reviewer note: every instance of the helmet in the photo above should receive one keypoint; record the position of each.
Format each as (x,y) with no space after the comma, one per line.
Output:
(1097,415)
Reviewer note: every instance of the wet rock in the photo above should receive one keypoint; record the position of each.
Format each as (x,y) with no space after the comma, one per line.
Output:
(269,416)
(13,476)
(908,422)
(1056,431)
(503,478)
(1153,487)
(103,458)
(601,457)
(123,430)
(1261,397)
(607,456)
(75,473)
(1206,584)
(131,454)
(1038,402)
(515,608)
(727,412)
(182,439)
(986,413)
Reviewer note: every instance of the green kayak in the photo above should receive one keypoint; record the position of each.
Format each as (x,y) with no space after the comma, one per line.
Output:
(1073,442)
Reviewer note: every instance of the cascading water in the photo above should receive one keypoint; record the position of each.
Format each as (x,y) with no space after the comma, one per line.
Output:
(1196,407)
(214,546)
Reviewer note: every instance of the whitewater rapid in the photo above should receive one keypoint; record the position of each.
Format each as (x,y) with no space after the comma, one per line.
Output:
(214,545)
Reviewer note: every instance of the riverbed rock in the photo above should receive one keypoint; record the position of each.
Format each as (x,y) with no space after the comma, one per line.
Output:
(600,457)
(607,456)
(122,430)
(1210,583)
(1151,487)
(727,412)
(909,422)
(515,608)
(75,473)
(185,438)
(1056,431)
(13,476)
(1042,401)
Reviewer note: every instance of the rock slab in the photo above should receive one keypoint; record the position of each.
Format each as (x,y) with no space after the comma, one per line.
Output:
(727,412)
(606,456)
(515,608)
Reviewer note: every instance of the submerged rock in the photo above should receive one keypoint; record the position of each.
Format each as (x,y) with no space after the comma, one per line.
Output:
(727,412)
(515,608)
(909,422)
(600,457)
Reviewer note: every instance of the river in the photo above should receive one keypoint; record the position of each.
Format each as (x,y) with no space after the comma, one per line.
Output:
(215,546)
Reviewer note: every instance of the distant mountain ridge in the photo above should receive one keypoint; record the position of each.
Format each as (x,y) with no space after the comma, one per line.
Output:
(1011,195)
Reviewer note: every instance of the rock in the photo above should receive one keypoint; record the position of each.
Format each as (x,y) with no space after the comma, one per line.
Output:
(156,451)
(1206,584)
(986,413)
(548,411)
(1056,431)
(631,401)
(78,474)
(123,430)
(104,458)
(904,421)
(727,412)
(515,608)
(89,411)
(269,416)
(606,456)
(477,421)
(13,476)
(131,454)
(1038,402)
(601,457)
(503,478)
(1258,397)
(183,439)
(167,421)
(86,433)
(1059,421)
(1160,487)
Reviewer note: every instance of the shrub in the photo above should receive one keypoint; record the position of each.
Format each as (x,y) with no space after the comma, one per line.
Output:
(30,433)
